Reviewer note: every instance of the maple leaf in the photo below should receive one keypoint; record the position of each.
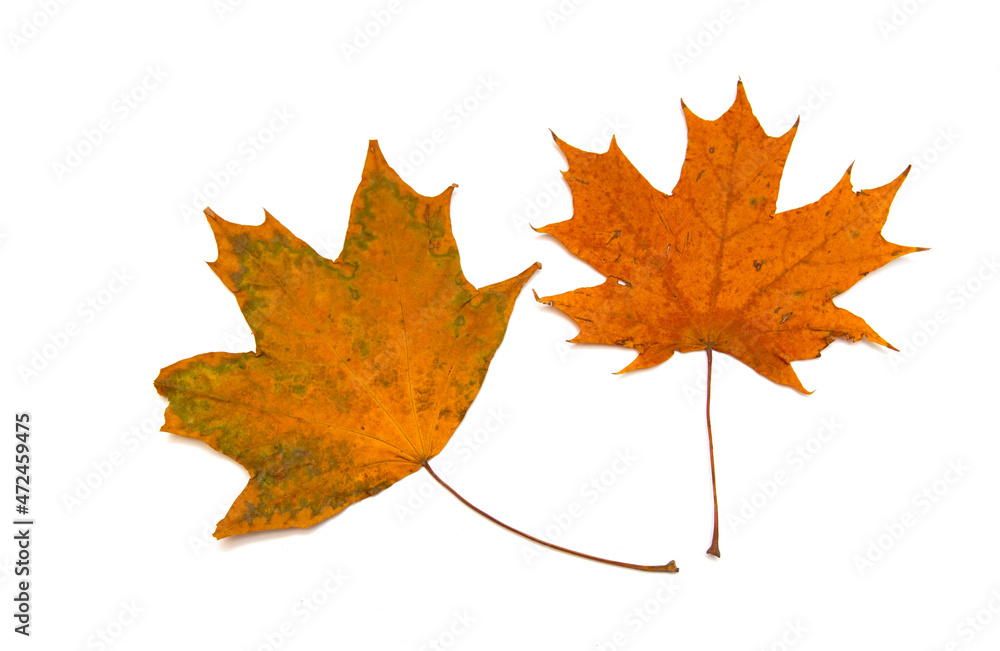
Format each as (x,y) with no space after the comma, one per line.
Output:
(712,266)
(364,366)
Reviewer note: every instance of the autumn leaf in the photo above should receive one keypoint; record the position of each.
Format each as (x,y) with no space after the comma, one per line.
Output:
(364,366)
(712,266)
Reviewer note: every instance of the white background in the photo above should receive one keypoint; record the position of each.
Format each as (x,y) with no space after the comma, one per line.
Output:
(789,576)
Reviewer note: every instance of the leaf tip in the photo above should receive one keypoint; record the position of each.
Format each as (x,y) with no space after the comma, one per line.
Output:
(544,300)
(741,93)
(375,159)
(520,280)
(216,223)
(902,177)
(565,148)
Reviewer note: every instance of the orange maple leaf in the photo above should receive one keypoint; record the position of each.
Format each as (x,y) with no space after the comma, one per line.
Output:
(712,266)
(364,366)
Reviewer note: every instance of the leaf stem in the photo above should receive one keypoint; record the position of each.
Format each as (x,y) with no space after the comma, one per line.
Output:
(714,549)
(669,567)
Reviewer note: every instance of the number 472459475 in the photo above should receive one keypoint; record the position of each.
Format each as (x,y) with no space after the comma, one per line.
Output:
(22,457)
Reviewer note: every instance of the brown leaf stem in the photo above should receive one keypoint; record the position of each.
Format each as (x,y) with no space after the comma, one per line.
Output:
(714,549)
(670,567)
